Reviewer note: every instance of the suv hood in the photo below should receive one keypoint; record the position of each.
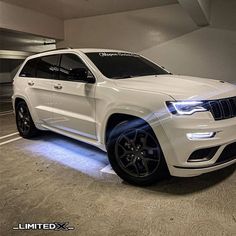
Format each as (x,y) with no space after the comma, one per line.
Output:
(180,87)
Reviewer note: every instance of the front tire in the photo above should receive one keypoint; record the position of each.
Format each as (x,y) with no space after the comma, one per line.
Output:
(135,154)
(24,122)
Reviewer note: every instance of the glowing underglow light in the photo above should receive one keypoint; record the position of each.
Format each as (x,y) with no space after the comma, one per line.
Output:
(71,153)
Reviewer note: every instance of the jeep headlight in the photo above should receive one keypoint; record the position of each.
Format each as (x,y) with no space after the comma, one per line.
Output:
(186,107)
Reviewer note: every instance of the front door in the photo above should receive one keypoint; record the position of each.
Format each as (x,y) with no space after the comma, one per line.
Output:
(73,99)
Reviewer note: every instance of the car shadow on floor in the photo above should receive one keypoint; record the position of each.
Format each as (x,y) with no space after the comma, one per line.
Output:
(189,185)
(171,185)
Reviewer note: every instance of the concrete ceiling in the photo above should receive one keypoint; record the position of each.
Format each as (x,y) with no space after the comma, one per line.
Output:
(68,9)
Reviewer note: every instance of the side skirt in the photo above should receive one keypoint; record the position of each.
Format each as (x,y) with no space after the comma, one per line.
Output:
(76,137)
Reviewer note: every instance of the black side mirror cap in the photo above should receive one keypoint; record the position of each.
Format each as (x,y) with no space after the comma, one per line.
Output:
(90,77)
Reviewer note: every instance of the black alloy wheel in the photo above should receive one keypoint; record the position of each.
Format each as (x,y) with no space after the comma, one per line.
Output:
(135,154)
(24,122)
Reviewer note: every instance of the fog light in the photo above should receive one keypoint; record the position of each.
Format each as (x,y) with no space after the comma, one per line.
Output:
(205,135)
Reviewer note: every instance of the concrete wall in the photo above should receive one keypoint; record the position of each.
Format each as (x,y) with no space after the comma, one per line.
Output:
(22,42)
(207,52)
(25,20)
(5,77)
(223,14)
(206,5)
(133,30)
(168,36)
(8,68)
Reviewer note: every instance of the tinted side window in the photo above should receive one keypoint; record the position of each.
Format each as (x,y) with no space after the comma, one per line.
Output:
(29,68)
(47,67)
(70,67)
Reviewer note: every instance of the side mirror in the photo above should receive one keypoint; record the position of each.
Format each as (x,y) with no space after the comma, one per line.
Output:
(82,74)
(90,77)
(166,70)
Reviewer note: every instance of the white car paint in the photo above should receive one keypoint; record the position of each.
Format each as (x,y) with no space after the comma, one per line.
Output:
(81,110)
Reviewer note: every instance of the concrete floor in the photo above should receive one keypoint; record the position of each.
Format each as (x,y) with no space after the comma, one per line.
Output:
(52,178)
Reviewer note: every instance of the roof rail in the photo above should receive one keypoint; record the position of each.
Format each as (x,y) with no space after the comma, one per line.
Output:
(51,50)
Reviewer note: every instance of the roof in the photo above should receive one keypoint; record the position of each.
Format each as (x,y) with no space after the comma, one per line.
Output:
(83,50)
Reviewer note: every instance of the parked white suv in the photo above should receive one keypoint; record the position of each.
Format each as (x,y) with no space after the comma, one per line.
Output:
(150,122)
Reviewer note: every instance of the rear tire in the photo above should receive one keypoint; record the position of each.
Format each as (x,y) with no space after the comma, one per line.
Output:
(135,154)
(24,122)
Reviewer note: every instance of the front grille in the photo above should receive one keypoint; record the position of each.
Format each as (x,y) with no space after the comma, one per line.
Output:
(223,108)
(229,153)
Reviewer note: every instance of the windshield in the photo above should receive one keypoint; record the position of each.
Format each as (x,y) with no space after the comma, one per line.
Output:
(118,65)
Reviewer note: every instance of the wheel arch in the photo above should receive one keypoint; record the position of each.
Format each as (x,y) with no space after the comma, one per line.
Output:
(19,98)
(117,118)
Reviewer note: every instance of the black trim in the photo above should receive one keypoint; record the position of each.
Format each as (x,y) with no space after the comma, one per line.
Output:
(58,64)
(205,167)
(204,154)
(228,152)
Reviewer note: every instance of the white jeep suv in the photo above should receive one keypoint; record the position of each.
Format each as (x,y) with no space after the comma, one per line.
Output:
(151,122)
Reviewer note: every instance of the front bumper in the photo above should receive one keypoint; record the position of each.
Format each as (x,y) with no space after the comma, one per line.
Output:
(195,171)
(177,148)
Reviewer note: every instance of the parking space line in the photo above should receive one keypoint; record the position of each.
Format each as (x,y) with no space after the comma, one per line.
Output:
(108,170)
(11,140)
(6,113)
(8,135)
(3,112)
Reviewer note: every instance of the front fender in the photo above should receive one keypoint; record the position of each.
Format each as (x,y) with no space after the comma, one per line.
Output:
(137,111)
(149,106)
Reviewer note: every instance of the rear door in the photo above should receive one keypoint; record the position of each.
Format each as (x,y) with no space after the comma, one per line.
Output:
(73,99)
(39,77)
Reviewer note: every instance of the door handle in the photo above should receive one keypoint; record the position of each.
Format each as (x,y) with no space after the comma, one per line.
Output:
(30,83)
(58,86)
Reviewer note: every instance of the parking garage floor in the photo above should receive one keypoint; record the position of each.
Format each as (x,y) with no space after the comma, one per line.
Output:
(52,178)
